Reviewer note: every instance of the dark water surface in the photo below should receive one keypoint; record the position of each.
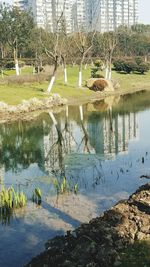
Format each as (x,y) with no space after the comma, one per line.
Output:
(101,148)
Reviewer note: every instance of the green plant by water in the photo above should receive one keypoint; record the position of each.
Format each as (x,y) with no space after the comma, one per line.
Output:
(37,196)
(62,186)
(10,200)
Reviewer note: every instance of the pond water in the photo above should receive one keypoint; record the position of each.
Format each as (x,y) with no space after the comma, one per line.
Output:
(101,148)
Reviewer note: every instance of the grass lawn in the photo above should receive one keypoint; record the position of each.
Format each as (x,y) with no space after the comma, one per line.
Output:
(15,93)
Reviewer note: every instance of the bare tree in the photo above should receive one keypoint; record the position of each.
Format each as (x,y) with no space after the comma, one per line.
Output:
(54,51)
(109,43)
(84,43)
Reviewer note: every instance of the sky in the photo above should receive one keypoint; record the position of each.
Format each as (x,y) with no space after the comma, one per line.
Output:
(144,10)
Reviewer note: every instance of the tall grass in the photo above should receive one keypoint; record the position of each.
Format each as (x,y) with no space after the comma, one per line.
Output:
(62,186)
(9,201)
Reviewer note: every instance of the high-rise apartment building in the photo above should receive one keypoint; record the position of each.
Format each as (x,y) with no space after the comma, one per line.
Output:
(47,13)
(78,15)
(21,4)
(102,15)
(107,15)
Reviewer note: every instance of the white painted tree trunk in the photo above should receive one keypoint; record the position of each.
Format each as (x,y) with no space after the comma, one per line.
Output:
(33,71)
(65,76)
(67,111)
(53,118)
(51,84)
(106,73)
(81,112)
(109,75)
(17,67)
(2,74)
(80,78)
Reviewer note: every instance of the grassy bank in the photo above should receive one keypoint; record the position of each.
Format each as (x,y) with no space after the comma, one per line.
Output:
(13,93)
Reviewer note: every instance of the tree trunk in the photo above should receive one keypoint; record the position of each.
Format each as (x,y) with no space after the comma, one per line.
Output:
(106,72)
(65,75)
(81,112)
(17,67)
(51,84)
(109,73)
(80,77)
(53,76)
(65,70)
(16,62)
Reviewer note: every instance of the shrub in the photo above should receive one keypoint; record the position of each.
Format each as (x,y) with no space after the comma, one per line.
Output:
(98,63)
(142,68)
(138,60)
(119,65)
(98,76)
(127,66)
(10,65)
(130,66)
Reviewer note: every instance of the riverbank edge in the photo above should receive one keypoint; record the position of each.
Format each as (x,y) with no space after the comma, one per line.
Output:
(100,242)
(30,109)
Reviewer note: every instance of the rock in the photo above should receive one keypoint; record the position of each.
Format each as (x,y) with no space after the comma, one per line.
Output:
(140,236)
(33,104)
(100,84)
(90,82)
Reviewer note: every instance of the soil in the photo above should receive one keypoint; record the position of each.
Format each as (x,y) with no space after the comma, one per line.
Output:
(100,242)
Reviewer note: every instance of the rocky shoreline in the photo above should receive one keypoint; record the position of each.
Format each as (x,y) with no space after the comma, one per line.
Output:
(26,110)
(100,242)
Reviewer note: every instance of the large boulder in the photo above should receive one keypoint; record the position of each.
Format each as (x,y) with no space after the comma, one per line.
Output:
(100,85)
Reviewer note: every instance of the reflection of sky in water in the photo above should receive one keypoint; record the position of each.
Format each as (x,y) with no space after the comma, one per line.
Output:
(103,178)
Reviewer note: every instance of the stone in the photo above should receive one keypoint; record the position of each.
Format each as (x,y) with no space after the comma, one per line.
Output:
(100,84)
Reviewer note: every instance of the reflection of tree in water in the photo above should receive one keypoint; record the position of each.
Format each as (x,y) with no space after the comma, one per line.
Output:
(20,144)
(85,139)
(58,143)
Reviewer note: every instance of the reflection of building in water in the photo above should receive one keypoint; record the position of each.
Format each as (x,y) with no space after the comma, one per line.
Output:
(100,134)
(124,129)
(111,135)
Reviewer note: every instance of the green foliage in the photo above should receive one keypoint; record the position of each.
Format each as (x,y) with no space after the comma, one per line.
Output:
(139,60)
(62,186)
(37,196)
(10,65)
(142,68)
(119,65)
(15,28)
(98,63)
(10,199)
(129,66)
(95,71)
